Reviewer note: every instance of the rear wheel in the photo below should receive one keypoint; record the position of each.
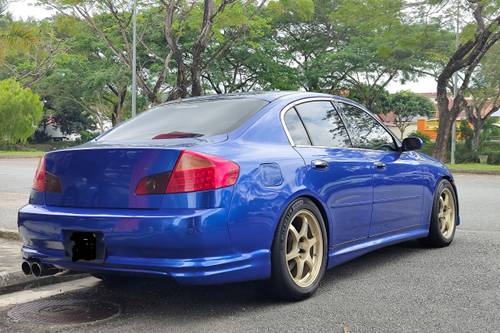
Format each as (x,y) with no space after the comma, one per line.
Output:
(444,216)
(299,253)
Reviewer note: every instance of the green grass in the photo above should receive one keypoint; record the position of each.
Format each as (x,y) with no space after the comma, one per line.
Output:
(474,167)
(20,153)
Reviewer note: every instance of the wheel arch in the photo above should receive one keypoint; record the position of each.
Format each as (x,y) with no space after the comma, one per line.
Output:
(317,202)
(452,182)
(324,215)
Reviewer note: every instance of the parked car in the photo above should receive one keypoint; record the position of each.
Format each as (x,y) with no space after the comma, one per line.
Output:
(273,186)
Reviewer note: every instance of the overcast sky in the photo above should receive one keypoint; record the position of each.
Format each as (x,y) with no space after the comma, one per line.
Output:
(23,9)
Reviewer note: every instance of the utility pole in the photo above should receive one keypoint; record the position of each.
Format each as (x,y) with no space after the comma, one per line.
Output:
(455,87)
(134,58)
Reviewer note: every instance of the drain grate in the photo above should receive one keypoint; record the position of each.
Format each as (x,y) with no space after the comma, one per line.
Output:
(63,312)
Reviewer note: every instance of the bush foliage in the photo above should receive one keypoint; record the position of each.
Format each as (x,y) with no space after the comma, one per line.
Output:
(20,112)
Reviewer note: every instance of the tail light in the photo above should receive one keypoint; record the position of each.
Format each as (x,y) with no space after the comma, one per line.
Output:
(39,179)
(192,172)
(45,181)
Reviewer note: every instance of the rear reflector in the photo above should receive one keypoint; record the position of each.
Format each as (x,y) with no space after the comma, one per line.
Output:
(45,181)
(155,184)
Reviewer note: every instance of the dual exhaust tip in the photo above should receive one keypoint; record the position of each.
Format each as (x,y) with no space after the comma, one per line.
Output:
(38,269)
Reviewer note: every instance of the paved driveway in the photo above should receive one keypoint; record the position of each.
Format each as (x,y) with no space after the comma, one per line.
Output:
(403,288)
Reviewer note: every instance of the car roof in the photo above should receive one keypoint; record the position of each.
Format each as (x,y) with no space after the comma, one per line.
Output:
(264,95)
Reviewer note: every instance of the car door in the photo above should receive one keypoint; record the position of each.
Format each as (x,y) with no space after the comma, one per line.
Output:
(340,175)
(398,177)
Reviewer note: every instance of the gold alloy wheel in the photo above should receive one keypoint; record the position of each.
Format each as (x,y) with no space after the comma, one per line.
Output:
(304,248)
(446,215)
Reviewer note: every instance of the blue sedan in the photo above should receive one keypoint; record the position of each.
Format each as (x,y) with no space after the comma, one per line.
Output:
(273,186)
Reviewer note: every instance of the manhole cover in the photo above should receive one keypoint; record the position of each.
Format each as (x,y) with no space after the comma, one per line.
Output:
(63,312)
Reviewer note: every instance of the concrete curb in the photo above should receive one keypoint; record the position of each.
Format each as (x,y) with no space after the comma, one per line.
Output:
(9,234)
(16,281)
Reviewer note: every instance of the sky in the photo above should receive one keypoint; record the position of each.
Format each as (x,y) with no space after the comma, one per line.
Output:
(23,9)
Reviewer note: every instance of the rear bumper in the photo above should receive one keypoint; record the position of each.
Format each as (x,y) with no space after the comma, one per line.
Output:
(192,246)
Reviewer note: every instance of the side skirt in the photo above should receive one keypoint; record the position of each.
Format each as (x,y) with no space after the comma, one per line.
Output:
(345,252)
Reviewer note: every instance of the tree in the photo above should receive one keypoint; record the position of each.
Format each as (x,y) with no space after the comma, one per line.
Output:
(110,22)
(383,44)
(223,24)
(20,110)
(484,95)
(30,48)
(253,62)
(188,28)
(87,80)
(406,106)
(374,97)
(477,39)
(14,36)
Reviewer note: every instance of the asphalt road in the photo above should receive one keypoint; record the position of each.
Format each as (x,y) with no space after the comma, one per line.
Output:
(16,176)
(403,288)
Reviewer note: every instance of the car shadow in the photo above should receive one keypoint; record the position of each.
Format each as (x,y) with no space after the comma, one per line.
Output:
(170,297)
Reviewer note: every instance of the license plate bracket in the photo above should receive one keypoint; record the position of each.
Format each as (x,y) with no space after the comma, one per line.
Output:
(84,245)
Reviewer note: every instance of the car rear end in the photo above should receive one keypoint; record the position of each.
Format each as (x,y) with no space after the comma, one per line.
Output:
(145,199)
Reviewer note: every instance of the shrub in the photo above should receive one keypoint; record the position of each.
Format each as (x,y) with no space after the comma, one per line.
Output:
(20,112)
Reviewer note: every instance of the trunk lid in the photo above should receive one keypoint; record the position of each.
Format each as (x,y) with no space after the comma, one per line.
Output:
(106,177)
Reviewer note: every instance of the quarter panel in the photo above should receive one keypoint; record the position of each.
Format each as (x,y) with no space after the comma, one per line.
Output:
(257,205)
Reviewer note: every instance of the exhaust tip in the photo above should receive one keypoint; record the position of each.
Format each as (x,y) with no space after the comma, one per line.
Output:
(36,269)
(26,268)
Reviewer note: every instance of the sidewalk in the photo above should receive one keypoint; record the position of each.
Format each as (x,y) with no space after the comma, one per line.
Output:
(13,279)
(10,258)
(10,265)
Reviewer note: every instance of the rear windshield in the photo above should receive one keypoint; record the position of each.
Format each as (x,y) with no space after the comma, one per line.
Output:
(187,119)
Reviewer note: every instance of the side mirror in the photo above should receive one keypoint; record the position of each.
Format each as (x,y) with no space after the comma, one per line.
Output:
(412,144)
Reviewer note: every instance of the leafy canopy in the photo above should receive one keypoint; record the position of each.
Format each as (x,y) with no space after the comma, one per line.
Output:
(406,106)
(20,111)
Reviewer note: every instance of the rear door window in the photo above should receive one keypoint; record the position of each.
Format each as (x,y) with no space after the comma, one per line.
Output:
(187,119)
(323,124)
(296,129)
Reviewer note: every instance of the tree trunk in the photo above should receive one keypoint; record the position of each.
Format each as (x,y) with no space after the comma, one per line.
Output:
(180,89)
(196,89)
(476,142)
(465,58)
(444,135)
(116,117)
(476,137)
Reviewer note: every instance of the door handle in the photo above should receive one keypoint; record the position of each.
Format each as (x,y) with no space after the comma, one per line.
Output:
(379,165)
(319,164)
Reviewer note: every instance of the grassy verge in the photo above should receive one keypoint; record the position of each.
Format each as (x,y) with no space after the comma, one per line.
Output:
(14,153)
(475,167)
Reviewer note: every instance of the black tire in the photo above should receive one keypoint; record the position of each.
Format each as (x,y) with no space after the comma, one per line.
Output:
(108,278)
(435,237)
(281,282)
